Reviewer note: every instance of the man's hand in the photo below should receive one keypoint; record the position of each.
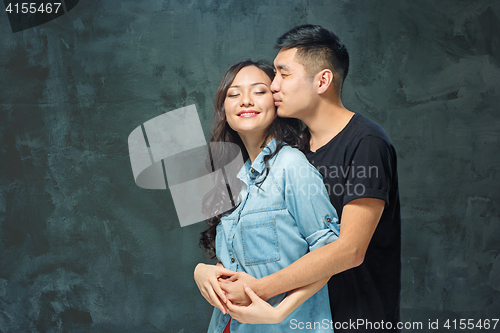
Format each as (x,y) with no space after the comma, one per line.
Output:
(206,277)
(258,312)
(234,288)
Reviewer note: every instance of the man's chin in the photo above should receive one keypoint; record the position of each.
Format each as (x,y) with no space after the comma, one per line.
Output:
(282,113)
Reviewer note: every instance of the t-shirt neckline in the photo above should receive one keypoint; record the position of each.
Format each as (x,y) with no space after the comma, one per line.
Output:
(310,152)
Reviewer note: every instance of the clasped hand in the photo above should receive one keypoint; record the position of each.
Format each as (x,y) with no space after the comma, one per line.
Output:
(229,291)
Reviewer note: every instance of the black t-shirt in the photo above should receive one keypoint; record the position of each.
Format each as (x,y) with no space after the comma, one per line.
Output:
(360,162)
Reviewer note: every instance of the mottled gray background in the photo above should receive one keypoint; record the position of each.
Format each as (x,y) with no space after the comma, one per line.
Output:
(83,249)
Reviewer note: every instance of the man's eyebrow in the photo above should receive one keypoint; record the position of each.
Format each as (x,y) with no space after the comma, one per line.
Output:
(283,67)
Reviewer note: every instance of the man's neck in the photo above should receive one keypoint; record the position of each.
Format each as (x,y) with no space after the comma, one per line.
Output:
(324,124)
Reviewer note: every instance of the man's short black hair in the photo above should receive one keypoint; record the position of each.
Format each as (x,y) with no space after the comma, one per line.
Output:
(317,48)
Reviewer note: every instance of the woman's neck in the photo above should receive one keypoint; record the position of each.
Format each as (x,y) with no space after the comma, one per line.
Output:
(253,144)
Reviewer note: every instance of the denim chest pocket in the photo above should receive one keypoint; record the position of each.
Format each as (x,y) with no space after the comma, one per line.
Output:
(259,240)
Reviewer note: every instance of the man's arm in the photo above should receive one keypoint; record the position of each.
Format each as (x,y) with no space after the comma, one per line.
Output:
(359,220)
(261,312)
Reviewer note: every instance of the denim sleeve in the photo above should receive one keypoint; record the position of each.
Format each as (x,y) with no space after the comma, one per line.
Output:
(308,202)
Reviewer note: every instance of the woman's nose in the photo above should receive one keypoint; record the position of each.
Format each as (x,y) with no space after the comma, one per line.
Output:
(246,99)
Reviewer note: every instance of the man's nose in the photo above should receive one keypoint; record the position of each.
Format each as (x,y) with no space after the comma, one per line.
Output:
(275,86)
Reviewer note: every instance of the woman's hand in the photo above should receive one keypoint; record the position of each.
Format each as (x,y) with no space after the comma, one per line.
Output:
(258,312)
(206,278)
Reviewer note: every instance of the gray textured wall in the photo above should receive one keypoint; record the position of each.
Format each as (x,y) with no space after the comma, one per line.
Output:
(83,249)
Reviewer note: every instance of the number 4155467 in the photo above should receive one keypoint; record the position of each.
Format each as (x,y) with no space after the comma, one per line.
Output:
(471,324)
(31,7)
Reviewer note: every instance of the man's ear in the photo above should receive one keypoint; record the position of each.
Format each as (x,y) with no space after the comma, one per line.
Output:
(324,80)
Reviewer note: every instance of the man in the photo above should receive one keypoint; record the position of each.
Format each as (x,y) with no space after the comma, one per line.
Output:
(358,164)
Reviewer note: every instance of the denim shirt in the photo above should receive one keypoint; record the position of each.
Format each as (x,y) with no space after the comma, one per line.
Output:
(276,223)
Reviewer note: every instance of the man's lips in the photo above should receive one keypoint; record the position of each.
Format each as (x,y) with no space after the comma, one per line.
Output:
(247,113)
(276,99)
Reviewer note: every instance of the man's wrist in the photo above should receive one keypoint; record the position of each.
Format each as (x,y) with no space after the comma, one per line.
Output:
(259,287)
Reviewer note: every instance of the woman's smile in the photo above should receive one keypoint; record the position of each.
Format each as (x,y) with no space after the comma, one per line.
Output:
(248,113)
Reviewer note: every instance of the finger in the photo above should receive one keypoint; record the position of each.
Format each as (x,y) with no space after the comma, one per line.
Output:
(253,296)
(218,290)
(225,271)
(223,284)
(204,292)
(239,313)
(233,278)
(230,312)
(233,308)
(207,297)
(215,301)
(225,307)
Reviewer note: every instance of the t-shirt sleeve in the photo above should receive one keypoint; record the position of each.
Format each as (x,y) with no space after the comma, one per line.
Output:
(308,202)
(371,171)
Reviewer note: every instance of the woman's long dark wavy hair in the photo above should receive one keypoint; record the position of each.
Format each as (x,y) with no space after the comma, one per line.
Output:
(282,129)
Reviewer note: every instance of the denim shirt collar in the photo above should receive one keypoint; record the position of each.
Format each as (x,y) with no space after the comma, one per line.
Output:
(258,166)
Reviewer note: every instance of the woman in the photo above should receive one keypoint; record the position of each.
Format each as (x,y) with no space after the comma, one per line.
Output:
(284,210)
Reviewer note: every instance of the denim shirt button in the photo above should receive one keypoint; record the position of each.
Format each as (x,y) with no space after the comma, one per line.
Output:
(252,170)
(232,259)
(328,219)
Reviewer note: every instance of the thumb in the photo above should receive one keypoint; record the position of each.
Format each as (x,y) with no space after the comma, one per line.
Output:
(225,271)
(233,278)
(253,296)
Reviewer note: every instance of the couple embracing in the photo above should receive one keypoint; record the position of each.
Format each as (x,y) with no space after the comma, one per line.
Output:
(314,242)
